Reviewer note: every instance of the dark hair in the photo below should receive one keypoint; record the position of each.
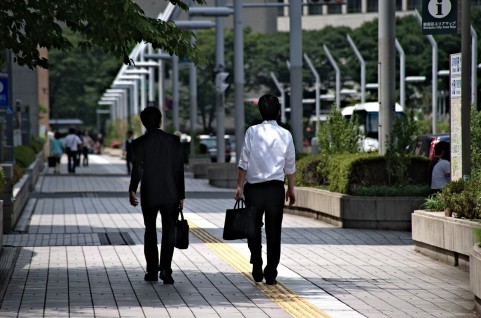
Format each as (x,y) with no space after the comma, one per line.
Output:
(71,130)
(130,132)
(151,117)
(443,149)
(57,135)
(269,107)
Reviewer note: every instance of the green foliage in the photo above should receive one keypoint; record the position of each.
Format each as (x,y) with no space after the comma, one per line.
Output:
(477,236)
(116,131)
(434,202)
(18,173)
(3,179)
(475,144)
(114,26)
(306,170)
(36,144)
(338,135)
(24,156)
(409,190)
(403,134)
(463,198)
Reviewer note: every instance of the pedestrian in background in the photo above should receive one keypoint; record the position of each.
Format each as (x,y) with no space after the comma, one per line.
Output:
(441,173)
(128,151)
(267,156)
(57,148)
(158,165)
(72,146)
(87,144)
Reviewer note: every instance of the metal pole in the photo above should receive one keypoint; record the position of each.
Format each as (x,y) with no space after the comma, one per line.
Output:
(239,77)
(474,71)
(434,75)
(161,92)
(220,97)
(465,87)
(175,91)
(318,90)
(363,68)
(295,40)
(338,77)
(402,75)
(387,70)
(283,98)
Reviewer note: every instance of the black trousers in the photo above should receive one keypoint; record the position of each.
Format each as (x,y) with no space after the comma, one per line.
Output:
(267,198)
(72,158)
(169,214)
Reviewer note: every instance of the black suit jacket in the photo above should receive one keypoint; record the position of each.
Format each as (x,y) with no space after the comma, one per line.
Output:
(158,164)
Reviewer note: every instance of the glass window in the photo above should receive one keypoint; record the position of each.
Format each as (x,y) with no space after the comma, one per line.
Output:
(372,5)
(399,5)
(314,9)
(334,8)
(280,10)
(354,6)
(415,4)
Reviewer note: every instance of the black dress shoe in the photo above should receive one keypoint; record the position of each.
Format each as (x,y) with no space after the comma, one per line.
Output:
(151,277)
(166,277)
(257,273)
(271,281)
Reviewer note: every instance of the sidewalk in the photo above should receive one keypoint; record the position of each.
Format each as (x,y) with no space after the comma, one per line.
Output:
(77,252)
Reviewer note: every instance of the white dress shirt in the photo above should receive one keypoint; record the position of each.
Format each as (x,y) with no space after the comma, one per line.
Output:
(72,141)
(268,153)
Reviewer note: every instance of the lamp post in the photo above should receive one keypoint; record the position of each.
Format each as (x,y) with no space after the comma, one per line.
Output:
(318,90)
(338,76)
(363,68)
(280,87)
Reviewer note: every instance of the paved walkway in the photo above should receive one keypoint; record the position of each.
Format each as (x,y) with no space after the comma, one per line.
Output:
(77,252)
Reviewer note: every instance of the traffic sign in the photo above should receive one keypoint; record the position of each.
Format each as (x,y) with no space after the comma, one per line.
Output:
(3,91)
(440,16)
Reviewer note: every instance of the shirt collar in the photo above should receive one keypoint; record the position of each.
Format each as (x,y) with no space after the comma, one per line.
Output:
(272,122)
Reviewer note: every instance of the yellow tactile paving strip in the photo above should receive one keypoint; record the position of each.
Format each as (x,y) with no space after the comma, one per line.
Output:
(280,294)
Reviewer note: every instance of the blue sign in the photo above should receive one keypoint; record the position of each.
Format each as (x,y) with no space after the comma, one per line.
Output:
(3,91)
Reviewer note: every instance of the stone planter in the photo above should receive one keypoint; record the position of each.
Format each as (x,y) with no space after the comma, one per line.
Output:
(200,169)
(475,276)
(387,213)
(223,176)
(443,238)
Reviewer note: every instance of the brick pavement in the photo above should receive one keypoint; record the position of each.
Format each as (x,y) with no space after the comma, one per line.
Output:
(61,269)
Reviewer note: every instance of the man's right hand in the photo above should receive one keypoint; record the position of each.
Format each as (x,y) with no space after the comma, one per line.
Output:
(133,199)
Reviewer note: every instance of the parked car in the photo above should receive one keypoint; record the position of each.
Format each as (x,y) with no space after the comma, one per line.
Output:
(208,144)
(424,145)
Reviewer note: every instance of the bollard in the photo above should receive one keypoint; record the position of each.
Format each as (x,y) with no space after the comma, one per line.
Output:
(7,197)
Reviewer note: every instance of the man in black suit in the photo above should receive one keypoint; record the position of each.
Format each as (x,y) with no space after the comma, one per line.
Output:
(158,163)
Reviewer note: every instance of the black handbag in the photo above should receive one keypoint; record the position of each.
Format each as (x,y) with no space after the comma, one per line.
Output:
(52,161)
(240,222)
(181,233)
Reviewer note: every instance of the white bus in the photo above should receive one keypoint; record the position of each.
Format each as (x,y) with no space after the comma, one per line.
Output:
(368,117)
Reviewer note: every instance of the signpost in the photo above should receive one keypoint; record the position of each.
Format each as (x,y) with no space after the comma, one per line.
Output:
(456,116)
(440,16)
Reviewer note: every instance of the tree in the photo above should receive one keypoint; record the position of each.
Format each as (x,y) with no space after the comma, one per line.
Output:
(115,26)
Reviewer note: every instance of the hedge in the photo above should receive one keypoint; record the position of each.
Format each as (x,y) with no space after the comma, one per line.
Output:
(343,172)
(24,156)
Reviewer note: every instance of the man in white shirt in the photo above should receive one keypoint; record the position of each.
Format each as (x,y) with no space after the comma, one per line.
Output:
(72,143)
(268,155)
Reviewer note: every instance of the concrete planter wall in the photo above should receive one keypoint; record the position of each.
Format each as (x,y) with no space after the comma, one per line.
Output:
(223,176)
(1,225)
(16,197)
(475,276)
(443,238)
(388,213)
(200,169)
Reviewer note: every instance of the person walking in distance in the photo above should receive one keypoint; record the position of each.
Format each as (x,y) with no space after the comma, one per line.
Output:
(128,151)
(267,156)
(72,145)
(56,149)
(158,166)
(87,144)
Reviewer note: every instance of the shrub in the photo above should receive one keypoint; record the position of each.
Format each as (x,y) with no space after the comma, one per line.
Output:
(18,173)
(411,190)
(3,179)
(37,145)
(434,202)
(477,236)
(306,171)
(24,156)
(338,135)
(463,198)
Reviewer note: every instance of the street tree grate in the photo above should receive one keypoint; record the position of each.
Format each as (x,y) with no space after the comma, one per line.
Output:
(116,238)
